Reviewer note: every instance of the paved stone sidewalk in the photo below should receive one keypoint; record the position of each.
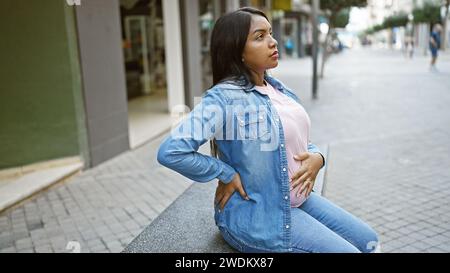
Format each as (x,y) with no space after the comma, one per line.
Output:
(387,122)
(102,209)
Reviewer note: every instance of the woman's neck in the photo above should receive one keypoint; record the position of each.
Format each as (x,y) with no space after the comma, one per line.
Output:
(258,78)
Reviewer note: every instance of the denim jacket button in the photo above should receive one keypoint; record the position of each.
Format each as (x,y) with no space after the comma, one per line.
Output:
(287,226)
(286,197)
(284,169)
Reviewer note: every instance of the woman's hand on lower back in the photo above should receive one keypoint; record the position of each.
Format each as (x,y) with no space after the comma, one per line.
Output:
(225,191)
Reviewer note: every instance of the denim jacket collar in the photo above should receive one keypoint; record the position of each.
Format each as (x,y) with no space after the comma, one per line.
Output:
(233,84)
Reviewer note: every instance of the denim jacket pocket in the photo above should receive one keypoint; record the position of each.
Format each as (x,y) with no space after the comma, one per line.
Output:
(253,126)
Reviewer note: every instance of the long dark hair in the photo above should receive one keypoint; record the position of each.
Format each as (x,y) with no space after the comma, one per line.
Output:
(228,41)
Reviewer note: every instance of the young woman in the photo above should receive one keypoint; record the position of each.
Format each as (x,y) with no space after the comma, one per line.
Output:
(266,165)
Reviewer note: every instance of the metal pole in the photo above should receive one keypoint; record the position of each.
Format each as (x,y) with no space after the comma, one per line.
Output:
(315,45)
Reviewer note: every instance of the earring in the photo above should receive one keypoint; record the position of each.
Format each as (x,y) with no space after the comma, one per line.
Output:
(243,60)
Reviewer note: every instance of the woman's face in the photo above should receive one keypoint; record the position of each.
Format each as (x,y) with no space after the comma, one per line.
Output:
(260,52)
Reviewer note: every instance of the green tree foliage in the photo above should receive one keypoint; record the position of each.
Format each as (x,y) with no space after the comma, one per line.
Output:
(341,19)
(429,13)
(339,14)
(374,29)
(396,20)
(336,6)
(340,10)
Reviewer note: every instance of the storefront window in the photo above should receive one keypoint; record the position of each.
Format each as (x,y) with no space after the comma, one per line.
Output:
(143,44)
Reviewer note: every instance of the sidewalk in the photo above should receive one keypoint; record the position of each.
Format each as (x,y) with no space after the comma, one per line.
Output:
(386,121)
(102,209)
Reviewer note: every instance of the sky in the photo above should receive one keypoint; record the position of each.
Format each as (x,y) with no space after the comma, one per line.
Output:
(358,20)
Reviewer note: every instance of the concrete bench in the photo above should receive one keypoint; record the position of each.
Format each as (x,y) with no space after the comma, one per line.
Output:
(187,225)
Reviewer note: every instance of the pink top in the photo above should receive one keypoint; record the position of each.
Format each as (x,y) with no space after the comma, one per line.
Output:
(296,125)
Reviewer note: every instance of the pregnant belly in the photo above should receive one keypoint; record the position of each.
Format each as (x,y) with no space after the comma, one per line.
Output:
(296,201)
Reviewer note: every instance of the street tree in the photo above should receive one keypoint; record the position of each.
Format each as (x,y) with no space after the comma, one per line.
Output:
(338,13)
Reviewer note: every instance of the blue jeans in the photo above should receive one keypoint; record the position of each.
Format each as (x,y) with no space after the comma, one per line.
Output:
(319,226)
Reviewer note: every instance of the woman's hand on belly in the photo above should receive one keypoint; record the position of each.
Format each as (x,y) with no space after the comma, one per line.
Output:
(306,176)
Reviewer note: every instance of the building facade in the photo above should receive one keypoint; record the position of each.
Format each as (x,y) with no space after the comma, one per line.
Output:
(77,75)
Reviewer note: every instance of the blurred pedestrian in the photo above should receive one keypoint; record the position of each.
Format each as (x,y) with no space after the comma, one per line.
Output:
(409,46)
(289,46)
(435,45)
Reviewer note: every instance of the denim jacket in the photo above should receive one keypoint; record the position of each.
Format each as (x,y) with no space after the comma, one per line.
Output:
(250,141)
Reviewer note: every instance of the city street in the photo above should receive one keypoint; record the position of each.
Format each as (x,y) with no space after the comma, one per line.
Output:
(385,119)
